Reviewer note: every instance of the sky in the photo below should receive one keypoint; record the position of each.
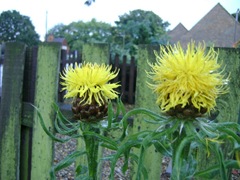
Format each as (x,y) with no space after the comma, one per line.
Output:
(45,14)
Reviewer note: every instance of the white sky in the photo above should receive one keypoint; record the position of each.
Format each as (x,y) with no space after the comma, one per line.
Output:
(188,12)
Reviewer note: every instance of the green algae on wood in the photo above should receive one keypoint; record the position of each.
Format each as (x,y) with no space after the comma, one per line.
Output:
(93,53)
(48,63)
(10,113)
(145,98)
(96,53)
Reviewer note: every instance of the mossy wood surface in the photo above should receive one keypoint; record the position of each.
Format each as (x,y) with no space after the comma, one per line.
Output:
(96,53)
(10,113)
(48,62)
(146,99)
(28,111)
(93,53)
(227,109)
(228,104)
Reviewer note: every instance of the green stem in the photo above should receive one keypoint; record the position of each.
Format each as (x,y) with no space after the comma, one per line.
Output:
(92,144)
(179,154)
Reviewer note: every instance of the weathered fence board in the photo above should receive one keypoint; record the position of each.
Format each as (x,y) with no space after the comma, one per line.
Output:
(132,81)
(146,99)
(228,105)
(67,59)
(126,77)
(27,112)
(48,63)
(10,113)
(96,53)
(93,53)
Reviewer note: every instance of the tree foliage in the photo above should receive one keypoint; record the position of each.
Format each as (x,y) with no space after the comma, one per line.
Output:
(78,33)
(140,27)
(16,27)
(137,27)
(89,2)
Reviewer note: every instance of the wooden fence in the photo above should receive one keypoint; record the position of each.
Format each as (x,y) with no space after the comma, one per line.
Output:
(126,76)
(31,76)
(1,69)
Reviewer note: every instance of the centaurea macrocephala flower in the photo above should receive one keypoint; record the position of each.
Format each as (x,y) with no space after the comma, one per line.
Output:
(89,85)
(187,82)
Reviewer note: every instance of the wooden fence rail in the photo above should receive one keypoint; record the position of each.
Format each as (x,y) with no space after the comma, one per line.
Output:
(31,75)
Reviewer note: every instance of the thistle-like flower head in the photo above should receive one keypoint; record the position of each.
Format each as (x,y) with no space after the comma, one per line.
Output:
(90,83)
(187,80)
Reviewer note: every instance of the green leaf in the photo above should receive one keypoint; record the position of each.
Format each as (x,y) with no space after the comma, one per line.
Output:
(59,114)
(126,161)
(133,112)
(118,110)
(61,128)
(135,158)
(122,107)
(210,172)
(231,134)
(164,149)
(50,134)
(81,170)
(107,141)
(110,115)
(124,148)
(107,145)
(67,161)
(220,158)
(209,130)
(167,130)
(131,141)
(62,124)
(140,165)
(177,163)
(229,125)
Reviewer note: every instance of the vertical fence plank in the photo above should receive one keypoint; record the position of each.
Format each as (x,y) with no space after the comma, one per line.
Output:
(116,64)
(96,53)
(62,66)
(132,75)
(45,94)
(123,78)
(228,105)
(93,53)
(146,99)
(10,114)
(28,98)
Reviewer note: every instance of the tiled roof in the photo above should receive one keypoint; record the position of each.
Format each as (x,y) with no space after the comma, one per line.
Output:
(177,32)
(216,28)
(60,40)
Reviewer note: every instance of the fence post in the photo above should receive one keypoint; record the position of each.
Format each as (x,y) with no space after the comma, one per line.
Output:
(96,53)
(93,53)
(228,105)
(10,113)
(132,75)
(27,112)
(46,89)
(146,99)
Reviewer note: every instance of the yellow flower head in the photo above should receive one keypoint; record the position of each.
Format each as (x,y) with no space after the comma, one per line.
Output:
(187,79)
(90,81)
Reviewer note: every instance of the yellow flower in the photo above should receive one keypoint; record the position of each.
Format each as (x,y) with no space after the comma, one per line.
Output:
(187,79)
(90,82)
